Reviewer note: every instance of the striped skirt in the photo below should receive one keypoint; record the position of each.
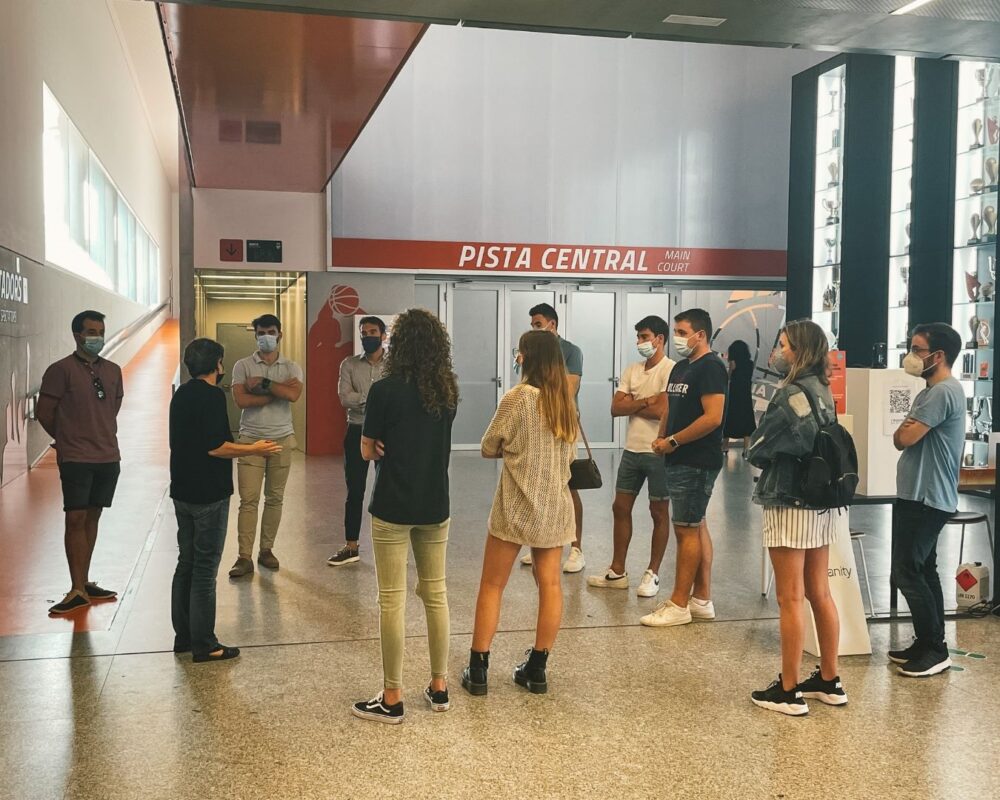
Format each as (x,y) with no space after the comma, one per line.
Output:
(798,528)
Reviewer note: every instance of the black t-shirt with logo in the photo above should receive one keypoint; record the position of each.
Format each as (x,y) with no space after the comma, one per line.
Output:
(689,382)
(411,480)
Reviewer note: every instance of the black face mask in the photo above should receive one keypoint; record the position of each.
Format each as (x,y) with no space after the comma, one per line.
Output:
(371,344)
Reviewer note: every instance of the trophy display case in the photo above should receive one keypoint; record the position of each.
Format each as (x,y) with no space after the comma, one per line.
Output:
(975,256)
(900,212)
(826,278)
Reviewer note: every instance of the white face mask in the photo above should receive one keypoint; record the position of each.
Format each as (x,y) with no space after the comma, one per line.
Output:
(914,365)
(646,349)
(682,347)
(267,343)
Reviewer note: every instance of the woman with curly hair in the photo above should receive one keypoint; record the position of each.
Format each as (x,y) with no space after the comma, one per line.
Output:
(407,432)
(534,431)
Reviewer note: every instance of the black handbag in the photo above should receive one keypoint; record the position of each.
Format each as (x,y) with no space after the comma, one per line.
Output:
(584,473)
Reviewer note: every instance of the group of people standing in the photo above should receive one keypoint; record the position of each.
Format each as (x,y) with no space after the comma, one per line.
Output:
(401,402)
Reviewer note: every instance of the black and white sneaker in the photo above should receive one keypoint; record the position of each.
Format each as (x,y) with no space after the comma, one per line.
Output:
(775,698)
(438,700)
(830,692)
(345,555)
(377,710)
(906,654)
(925,664)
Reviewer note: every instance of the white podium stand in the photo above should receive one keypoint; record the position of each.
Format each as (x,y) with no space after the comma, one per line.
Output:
(846,590)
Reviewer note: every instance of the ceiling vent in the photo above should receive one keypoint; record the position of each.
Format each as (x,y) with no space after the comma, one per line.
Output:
(262,132)
(686,19)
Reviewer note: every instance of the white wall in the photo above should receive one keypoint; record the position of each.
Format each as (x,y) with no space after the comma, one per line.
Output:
(297,219)
(491,135)
(74,47)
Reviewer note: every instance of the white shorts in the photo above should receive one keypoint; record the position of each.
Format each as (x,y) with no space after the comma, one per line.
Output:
(799,528)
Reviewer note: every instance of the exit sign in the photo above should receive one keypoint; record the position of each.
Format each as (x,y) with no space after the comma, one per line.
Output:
(264,251)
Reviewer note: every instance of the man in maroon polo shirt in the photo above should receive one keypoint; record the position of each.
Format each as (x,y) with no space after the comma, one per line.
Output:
(78,407)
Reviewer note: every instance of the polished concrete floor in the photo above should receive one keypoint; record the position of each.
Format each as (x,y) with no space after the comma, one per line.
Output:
(111,713)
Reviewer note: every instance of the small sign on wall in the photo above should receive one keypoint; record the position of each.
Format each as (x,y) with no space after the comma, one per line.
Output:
(267,251)
(230,249)
(838,379)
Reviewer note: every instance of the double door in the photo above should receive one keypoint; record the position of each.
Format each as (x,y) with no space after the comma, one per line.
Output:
(486,321)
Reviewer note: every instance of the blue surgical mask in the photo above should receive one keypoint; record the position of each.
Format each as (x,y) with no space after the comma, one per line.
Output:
(267,343)
(93,344)
(371,343)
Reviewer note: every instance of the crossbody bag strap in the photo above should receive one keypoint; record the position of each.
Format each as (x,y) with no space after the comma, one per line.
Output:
(583,433)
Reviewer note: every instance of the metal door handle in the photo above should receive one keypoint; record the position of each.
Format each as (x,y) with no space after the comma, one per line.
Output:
(615,381)
(499,381)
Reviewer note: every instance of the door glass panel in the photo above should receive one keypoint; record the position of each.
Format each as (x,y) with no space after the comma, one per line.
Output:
(475,338)
(592,329)
(425,295)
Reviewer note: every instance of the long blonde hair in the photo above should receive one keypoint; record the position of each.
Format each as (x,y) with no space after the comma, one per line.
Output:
(543,367)
(812,351)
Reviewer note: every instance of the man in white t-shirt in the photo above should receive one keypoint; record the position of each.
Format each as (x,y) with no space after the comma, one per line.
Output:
(641,397)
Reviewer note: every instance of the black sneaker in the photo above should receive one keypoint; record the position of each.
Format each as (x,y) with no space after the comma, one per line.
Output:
(70,603)
(907,654)
(438,700)
(95,592)
(345,555)
(925,664)
(377,711)
(830,692)
(224,654)
(775,698)
(531,673)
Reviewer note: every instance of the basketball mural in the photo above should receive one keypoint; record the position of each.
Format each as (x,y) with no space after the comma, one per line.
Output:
(334,300)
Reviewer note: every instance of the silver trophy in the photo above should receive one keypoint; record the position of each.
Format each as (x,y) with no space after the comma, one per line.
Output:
(833,100)
(831,250)
(831,206)
(904,273)
(977,132)
(981,80)
(834,169)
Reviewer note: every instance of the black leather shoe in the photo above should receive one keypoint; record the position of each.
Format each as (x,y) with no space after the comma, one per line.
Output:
(531,673)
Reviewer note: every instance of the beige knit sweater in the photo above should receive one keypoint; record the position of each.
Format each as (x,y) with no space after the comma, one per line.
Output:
(532,505)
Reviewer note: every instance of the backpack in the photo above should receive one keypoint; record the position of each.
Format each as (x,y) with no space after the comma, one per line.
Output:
(830,471)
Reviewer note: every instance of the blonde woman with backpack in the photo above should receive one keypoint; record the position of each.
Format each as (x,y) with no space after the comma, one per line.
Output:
(798,536)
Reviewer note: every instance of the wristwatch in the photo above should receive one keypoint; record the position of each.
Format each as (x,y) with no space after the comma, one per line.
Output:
(265,384)
(673,442)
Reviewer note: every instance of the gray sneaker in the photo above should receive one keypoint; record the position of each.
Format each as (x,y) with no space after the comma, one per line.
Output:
(243,566)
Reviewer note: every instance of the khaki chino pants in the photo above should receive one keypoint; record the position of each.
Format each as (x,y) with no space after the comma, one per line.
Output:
(253,472)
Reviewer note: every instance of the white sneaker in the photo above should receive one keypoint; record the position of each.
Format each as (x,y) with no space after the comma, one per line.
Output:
(666,615)
(576,562)
(649,586)
(608,580)
(701,609)
(526,558)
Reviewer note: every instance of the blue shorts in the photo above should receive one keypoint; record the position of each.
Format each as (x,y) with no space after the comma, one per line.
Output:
(637,468)
(690,489)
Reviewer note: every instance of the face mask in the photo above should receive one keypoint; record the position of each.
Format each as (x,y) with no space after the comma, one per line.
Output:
(914,365)
(93,344)
(779,363)
(646,349)
(371,343)
(682,347)
(267,343)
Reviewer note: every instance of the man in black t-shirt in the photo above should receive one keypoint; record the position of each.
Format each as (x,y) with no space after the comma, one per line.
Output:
(690,440)
(201,483)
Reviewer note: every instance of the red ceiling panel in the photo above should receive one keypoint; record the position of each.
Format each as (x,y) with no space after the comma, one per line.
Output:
(274,100)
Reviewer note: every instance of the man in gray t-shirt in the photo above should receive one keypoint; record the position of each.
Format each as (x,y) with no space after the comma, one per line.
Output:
(931,439)
(265,385)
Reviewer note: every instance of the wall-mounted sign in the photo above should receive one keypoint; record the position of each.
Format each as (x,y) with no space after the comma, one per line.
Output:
(264,250)
(230,249)
(556,260)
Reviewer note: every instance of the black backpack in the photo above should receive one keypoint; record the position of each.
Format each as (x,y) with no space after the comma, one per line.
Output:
(830,472)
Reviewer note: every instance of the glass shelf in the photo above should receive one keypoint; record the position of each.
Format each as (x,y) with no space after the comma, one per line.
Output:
(828,160)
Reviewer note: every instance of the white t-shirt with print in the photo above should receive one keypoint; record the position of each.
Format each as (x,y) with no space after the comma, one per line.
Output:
(642,383)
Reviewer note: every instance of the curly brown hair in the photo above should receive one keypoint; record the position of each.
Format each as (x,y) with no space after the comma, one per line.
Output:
(420,352)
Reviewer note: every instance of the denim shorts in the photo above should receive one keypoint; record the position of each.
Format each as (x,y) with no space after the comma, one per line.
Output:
(637,468)
(690,489)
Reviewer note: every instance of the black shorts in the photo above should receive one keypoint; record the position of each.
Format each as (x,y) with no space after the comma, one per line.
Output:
(88,485)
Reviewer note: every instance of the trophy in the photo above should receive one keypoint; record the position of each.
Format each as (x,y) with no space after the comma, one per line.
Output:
(990,223)
(972,344)
(981,80)
(835,139)
(834,169)
(993,130)
(991,265)
(977,132)
(992,172)
(831,206)
(831,249)
(988,291)
(983,333)
(904,273)
(833,100)
(830,298)
(975,221)
(977,185)
(982,417)
(972,285)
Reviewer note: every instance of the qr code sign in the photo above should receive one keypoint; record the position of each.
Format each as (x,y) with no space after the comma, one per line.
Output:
(899,401)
